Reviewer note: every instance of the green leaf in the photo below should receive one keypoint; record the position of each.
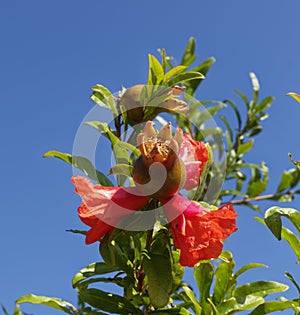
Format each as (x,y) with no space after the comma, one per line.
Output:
(156,71)
(81,163)
(196,305)
(108,302)
(121,169)
(158,270)
(248,267)
(92,270)
(103,97)
(273,219)
(119,257)
(285,181)
(203,274)
(231,305)
(48,301)
(186,76)
(202,68)
(273,306)
(245,147)
(189,56)
(224,278)
(177,270)
(17,310)
(258,289)
(293,241)
(174,71)
(292,279)
(258,182)
(243,97)
(289,236)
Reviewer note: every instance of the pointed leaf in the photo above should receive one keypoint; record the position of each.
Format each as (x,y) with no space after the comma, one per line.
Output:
(248,267)
(186,76)
(189,56)
(108,302)
(48,301)
(174,71)
(224,279)
(158,270)
(258,289)
(156,71)
(273,219)
(274,306)
(103,97)
(294,96)
(203,274)
(231,305)
(81,163)
(92,270)
(196,305)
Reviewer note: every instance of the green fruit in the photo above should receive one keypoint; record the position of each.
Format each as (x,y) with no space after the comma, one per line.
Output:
(131,102)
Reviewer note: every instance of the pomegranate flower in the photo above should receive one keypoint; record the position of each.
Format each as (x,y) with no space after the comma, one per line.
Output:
(198,232)
(104,207)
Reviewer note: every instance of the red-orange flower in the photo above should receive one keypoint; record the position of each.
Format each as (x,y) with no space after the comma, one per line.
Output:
(104,207)
(199,232)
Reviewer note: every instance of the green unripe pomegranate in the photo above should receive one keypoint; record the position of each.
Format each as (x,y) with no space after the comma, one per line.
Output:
(170,180)
(131,102)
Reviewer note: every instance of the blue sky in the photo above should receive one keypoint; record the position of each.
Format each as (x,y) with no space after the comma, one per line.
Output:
(52,52)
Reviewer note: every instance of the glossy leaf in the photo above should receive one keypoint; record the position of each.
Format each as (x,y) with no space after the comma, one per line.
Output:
(285,181)
(191,296)
(231,305)
(245,147)
(203,274)
(91,270)
(202,68)
(81,163)
(174,71)
(274,306)
(224,278)
(273,219)
(293,241)
(295,96)
(156,71)
(248,267)
(258,289)
(258,182)
(186,76)
(158,270)
(103,97)
(108,302)
(48,301)
(189,56)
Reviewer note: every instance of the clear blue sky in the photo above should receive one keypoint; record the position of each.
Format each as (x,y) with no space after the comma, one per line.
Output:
(52,52)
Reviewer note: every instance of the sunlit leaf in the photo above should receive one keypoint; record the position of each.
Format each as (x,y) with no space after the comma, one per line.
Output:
(273,306)
(189,56)
(156,71)
(203,274)
(248,267)
(294,96)
(103,97)
(48,301)
(186,76)
(191,296)
(92,270)
(224,278)
(81,163)
(273,219)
